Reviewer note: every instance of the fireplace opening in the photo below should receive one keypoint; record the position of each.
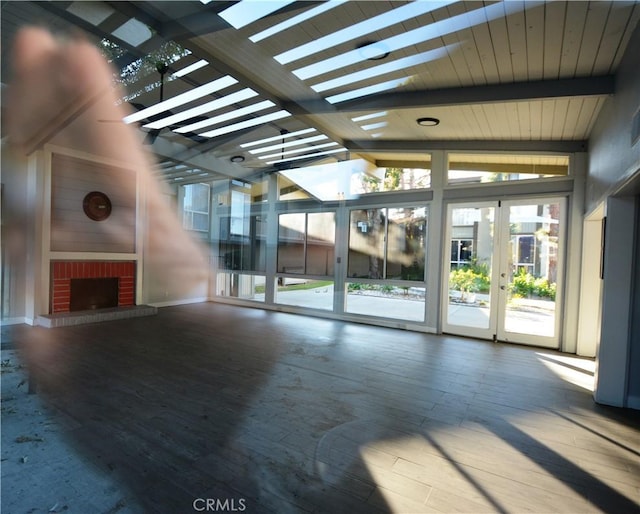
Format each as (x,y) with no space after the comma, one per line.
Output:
(93,293)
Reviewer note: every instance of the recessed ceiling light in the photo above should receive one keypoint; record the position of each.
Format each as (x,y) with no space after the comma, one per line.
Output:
(428,122)
(237,158)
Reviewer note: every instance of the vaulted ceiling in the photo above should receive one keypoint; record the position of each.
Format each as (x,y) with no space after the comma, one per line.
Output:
(256,86)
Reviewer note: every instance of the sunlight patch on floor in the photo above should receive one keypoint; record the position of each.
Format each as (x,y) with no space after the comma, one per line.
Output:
(575,370)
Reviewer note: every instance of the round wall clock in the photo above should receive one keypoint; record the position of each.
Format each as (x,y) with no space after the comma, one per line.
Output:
(97,206)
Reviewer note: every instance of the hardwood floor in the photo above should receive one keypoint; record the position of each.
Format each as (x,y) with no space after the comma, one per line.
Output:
(273,412)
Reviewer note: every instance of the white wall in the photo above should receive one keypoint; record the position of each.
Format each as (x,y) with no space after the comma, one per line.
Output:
(590,286)
(15,236)
(613,351)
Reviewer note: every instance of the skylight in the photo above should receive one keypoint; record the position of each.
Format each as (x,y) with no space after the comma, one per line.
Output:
(289,144)
(277,138)
(182,99)
(371,116)
(246,12)
(298,150)
(192,67)
(133,32)
(376,23)
(369,90)
(291,22)
(374,126)
(93,12)
(231,115)
(306,156)
(419,35)
(247,123)
(238,96)
(383,69)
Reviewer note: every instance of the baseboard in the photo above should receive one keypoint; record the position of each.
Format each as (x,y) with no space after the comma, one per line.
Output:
(15,321)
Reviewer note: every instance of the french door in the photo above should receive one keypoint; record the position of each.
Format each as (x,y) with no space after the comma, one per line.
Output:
(503,270)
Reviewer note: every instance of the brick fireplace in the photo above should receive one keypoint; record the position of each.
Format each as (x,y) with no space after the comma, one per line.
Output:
(63,272)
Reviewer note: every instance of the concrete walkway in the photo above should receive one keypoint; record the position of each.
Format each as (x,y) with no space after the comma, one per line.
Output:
(524,316)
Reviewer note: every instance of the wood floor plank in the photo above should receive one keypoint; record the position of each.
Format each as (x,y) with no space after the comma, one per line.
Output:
(297,414)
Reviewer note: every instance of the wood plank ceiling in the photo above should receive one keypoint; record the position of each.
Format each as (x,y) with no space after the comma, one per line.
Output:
(353,78)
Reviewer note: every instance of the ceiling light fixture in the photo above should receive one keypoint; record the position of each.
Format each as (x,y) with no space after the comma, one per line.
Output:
(428,122)
(237,158)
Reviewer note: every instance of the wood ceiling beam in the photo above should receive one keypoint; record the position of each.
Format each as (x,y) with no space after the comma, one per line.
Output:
(493,93)
(478,145)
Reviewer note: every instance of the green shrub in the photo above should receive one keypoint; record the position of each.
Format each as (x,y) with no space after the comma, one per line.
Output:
(525,285)
(545,289)
(472,278)
(465,280)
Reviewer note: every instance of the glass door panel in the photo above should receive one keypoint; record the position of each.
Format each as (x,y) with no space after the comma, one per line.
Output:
(468,299)
(532,268)
(504,263)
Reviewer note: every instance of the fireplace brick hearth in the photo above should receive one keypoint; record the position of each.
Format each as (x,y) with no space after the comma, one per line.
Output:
(63,271)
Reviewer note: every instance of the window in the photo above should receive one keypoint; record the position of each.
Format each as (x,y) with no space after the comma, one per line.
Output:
(487,168)
(240,285)
(195,212)
(244,250)
(526,248)
(306,243)
(461,252)
(388,243)
(391,179)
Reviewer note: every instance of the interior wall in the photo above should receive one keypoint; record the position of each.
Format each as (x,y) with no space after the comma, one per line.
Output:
(72,230)
(590,286)
(633,385)
(15,233)
(171,274)
(612,362)
(613,158)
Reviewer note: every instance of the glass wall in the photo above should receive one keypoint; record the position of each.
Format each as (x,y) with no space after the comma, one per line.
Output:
(348,180)
(351,237)
(306,250)
(240,239)
(387,243)
(195,210)
(387,249)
